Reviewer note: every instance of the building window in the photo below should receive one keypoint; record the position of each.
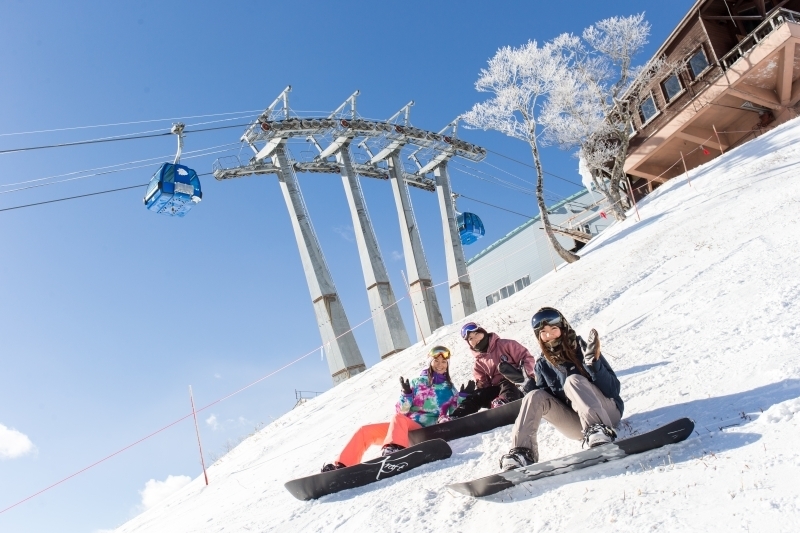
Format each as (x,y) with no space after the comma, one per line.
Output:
(508,290)
(672,87)
(648,109)
(698,63)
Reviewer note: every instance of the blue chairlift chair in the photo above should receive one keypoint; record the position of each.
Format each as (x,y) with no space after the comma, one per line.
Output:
(174,188)
(470,228)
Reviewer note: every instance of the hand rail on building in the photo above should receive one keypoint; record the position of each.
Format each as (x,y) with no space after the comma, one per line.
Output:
(775,20)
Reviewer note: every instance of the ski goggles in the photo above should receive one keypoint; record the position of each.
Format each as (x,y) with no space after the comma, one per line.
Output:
(439,351)
(546,317)
(468,328)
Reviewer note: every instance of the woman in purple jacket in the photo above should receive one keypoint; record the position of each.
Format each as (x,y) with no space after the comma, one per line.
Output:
(493,388)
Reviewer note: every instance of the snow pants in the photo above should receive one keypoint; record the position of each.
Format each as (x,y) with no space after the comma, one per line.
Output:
(393,432)
(482,398)
(589,407)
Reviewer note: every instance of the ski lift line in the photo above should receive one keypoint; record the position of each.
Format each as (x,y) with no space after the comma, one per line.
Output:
(82,195)
(160,158)
(555,196)
(113,139)
(129,123)
(103,174)
(73,198)
(533,167)
(549,195)
(495,206)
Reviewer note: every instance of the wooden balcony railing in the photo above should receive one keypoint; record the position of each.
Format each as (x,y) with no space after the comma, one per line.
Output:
(776,19)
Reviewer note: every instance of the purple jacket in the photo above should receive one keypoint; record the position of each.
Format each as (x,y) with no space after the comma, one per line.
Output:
(485,370)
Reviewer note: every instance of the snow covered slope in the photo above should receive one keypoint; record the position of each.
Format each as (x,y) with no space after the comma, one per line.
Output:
(697,307)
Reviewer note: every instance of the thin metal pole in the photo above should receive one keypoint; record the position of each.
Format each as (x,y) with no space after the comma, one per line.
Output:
(719,143)
(413,310)
(633,198)
(686,171)
(197,430)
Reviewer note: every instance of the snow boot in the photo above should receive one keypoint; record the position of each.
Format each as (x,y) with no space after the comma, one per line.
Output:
(598,434)
(389,449)
(335,466)
(516,458)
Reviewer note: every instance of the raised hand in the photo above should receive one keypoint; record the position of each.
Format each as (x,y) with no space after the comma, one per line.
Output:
(405,386)
(592,352)
(470,388)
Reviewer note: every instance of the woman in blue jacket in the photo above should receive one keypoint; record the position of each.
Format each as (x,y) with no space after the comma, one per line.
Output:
(573,388)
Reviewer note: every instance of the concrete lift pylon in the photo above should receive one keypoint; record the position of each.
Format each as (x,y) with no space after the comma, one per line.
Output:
(271,131)
(390,331)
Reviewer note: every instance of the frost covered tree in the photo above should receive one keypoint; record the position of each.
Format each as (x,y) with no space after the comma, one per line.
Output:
(520,80)
(592,106)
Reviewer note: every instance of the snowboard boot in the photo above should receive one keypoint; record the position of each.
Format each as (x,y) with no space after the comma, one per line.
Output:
(516,458)
(597,435)
(335,466)
(389,449)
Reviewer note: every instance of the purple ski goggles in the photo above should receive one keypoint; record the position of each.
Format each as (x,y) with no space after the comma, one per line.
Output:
(468,328)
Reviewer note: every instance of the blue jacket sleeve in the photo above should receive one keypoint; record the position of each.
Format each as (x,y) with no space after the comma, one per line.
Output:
(604,377)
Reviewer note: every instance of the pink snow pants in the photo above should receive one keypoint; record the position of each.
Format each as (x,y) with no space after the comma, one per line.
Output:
(393,432)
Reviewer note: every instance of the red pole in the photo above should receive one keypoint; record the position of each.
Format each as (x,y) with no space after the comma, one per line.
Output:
(197,430)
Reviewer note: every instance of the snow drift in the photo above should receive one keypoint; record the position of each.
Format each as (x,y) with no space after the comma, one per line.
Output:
(697,308)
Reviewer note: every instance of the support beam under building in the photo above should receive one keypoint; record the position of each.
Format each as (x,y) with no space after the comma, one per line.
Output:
(344,357)
(423,297)
(390,330)
(462,301)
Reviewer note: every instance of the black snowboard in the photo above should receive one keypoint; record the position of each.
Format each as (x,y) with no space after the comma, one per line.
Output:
(667,434)
(468,425)
(318,485)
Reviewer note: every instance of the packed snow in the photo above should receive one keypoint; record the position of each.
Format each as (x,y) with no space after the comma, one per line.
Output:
(697,308)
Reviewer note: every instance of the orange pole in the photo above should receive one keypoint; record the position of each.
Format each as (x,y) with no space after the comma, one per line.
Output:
(197,430)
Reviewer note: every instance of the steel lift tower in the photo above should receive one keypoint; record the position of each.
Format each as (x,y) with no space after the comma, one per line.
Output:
(344,357)
(267,137)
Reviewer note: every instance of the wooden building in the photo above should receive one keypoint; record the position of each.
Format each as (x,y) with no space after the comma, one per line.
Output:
(736,65)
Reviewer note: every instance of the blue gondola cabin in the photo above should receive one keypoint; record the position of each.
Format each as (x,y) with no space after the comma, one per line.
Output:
(173,190)
(470,228)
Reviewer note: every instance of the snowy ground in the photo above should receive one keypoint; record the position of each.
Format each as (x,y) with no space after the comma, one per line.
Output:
(697,307)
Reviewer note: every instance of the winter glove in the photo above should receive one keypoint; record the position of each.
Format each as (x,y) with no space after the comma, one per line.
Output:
(511,373)
(592,352)
(466,391)
(405,386)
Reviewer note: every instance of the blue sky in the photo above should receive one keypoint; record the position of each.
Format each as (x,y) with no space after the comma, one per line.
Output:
(109,312)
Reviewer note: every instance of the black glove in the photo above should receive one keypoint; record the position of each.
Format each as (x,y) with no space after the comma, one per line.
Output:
(405,386)
(592,352)
(571,370)
(511,373)
(470,388)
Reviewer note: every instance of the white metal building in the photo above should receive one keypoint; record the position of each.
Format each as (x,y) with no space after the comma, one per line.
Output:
(525,255)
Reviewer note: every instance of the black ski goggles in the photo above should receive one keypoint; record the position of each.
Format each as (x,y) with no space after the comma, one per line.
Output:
(439,351)
(546,317)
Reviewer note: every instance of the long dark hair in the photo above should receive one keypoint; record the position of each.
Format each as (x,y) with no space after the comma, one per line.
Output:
(567,351)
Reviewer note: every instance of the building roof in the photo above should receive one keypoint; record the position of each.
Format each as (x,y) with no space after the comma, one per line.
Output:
(525,225)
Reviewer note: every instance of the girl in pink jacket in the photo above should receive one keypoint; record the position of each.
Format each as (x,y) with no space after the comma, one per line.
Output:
(493,389)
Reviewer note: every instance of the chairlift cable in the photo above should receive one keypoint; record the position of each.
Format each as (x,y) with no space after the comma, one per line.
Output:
(495,206)
(533,167)
(126,123)
(83,195)
(158,158)
(112,139)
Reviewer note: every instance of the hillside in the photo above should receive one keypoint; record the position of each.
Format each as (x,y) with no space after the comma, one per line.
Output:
(697,308)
